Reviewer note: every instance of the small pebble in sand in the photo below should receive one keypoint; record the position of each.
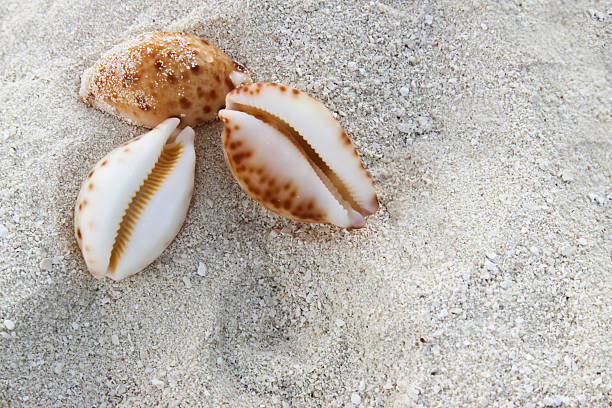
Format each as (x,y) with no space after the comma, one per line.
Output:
(179,259)
(567,176)
(187,282)
(428,19)
(46,264)
(201,269)
(339,322)
(404,128)
(115,339)
(404,91)
(355,398)
(9,324)
(3,231)
(158,383)
(490,266)
(567,251)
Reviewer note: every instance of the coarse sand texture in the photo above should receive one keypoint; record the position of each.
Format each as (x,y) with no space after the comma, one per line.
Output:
(483,280)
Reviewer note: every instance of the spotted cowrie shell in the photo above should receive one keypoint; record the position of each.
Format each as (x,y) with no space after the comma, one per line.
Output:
(288,152)
(134,201)
(159,75)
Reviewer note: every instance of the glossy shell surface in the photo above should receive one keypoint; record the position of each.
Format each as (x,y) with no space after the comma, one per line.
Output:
(160,75)
(134,201)
(289,153)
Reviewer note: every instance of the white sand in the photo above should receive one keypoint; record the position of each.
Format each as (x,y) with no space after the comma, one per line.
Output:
(484,279)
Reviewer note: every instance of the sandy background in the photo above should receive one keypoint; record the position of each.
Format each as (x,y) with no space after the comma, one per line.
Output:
(484,279)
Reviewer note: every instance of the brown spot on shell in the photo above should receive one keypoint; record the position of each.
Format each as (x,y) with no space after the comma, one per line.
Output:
(104,163)
(200,92)
(126,150)
(207,109)
(283,88)
(185,103)
(171,78)
(159,65)
(78,232)
(90,186)
(212,94)
(90,174)
(196,69)
(345,138)
(239,67)
(142,103)
(239,157)
(295,92)
(129,79)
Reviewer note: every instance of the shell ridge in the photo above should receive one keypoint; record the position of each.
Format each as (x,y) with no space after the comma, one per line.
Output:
(160,171)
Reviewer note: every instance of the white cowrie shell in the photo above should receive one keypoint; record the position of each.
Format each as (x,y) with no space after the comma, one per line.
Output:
(159,75)
(134,201)
(288,152)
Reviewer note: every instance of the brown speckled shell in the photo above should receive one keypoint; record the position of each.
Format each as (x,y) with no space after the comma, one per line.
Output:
(160,75)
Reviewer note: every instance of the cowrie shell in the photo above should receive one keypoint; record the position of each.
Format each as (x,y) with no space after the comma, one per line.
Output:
(288,152)
(160,75)
(134,201)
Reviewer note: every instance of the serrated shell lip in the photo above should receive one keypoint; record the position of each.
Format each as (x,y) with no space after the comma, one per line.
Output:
(300,207)
(166,137)
(248,95)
